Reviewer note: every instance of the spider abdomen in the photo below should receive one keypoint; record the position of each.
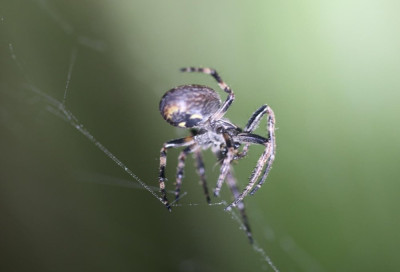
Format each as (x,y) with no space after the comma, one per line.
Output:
(189,105)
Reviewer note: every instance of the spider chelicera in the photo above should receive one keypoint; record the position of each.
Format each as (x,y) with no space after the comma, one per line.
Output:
(199,108)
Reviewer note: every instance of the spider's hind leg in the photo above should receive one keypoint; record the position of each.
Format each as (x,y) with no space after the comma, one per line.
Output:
(231,96)
(163,162)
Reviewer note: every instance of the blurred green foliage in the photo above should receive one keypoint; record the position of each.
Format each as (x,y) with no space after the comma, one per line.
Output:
(329,69)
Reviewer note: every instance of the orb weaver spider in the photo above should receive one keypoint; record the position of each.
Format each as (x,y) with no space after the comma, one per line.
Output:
(199,108)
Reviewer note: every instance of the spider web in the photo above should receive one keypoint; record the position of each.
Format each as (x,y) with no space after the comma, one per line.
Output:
(60,110)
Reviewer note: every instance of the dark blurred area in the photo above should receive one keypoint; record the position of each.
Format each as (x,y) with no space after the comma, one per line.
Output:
(328,69)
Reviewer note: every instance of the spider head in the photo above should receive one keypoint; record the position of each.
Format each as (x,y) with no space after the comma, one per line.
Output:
(189,106)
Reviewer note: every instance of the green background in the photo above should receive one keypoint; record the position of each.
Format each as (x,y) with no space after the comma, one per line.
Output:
(329,69)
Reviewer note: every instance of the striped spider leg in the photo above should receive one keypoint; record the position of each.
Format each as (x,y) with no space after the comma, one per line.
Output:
(199,108)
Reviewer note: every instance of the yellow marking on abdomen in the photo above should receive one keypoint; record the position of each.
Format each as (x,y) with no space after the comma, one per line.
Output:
(196,116)
(168,111)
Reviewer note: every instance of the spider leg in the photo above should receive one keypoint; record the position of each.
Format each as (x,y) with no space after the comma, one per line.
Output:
(252,124)
(231,181)
(272,142)
(163,162)
(231,96)
(225,163)
(201,172)
(259,167)
(255,118)
(180,168)
(266,158)
(199,167)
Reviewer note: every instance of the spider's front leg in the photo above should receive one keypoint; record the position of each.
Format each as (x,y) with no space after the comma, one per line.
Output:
(163,162)
(268,156)
(252,124)
(271,142)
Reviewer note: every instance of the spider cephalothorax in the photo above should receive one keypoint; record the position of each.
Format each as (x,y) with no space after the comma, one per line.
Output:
(199,108)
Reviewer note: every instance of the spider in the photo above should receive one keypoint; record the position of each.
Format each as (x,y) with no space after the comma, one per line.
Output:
(199,108)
